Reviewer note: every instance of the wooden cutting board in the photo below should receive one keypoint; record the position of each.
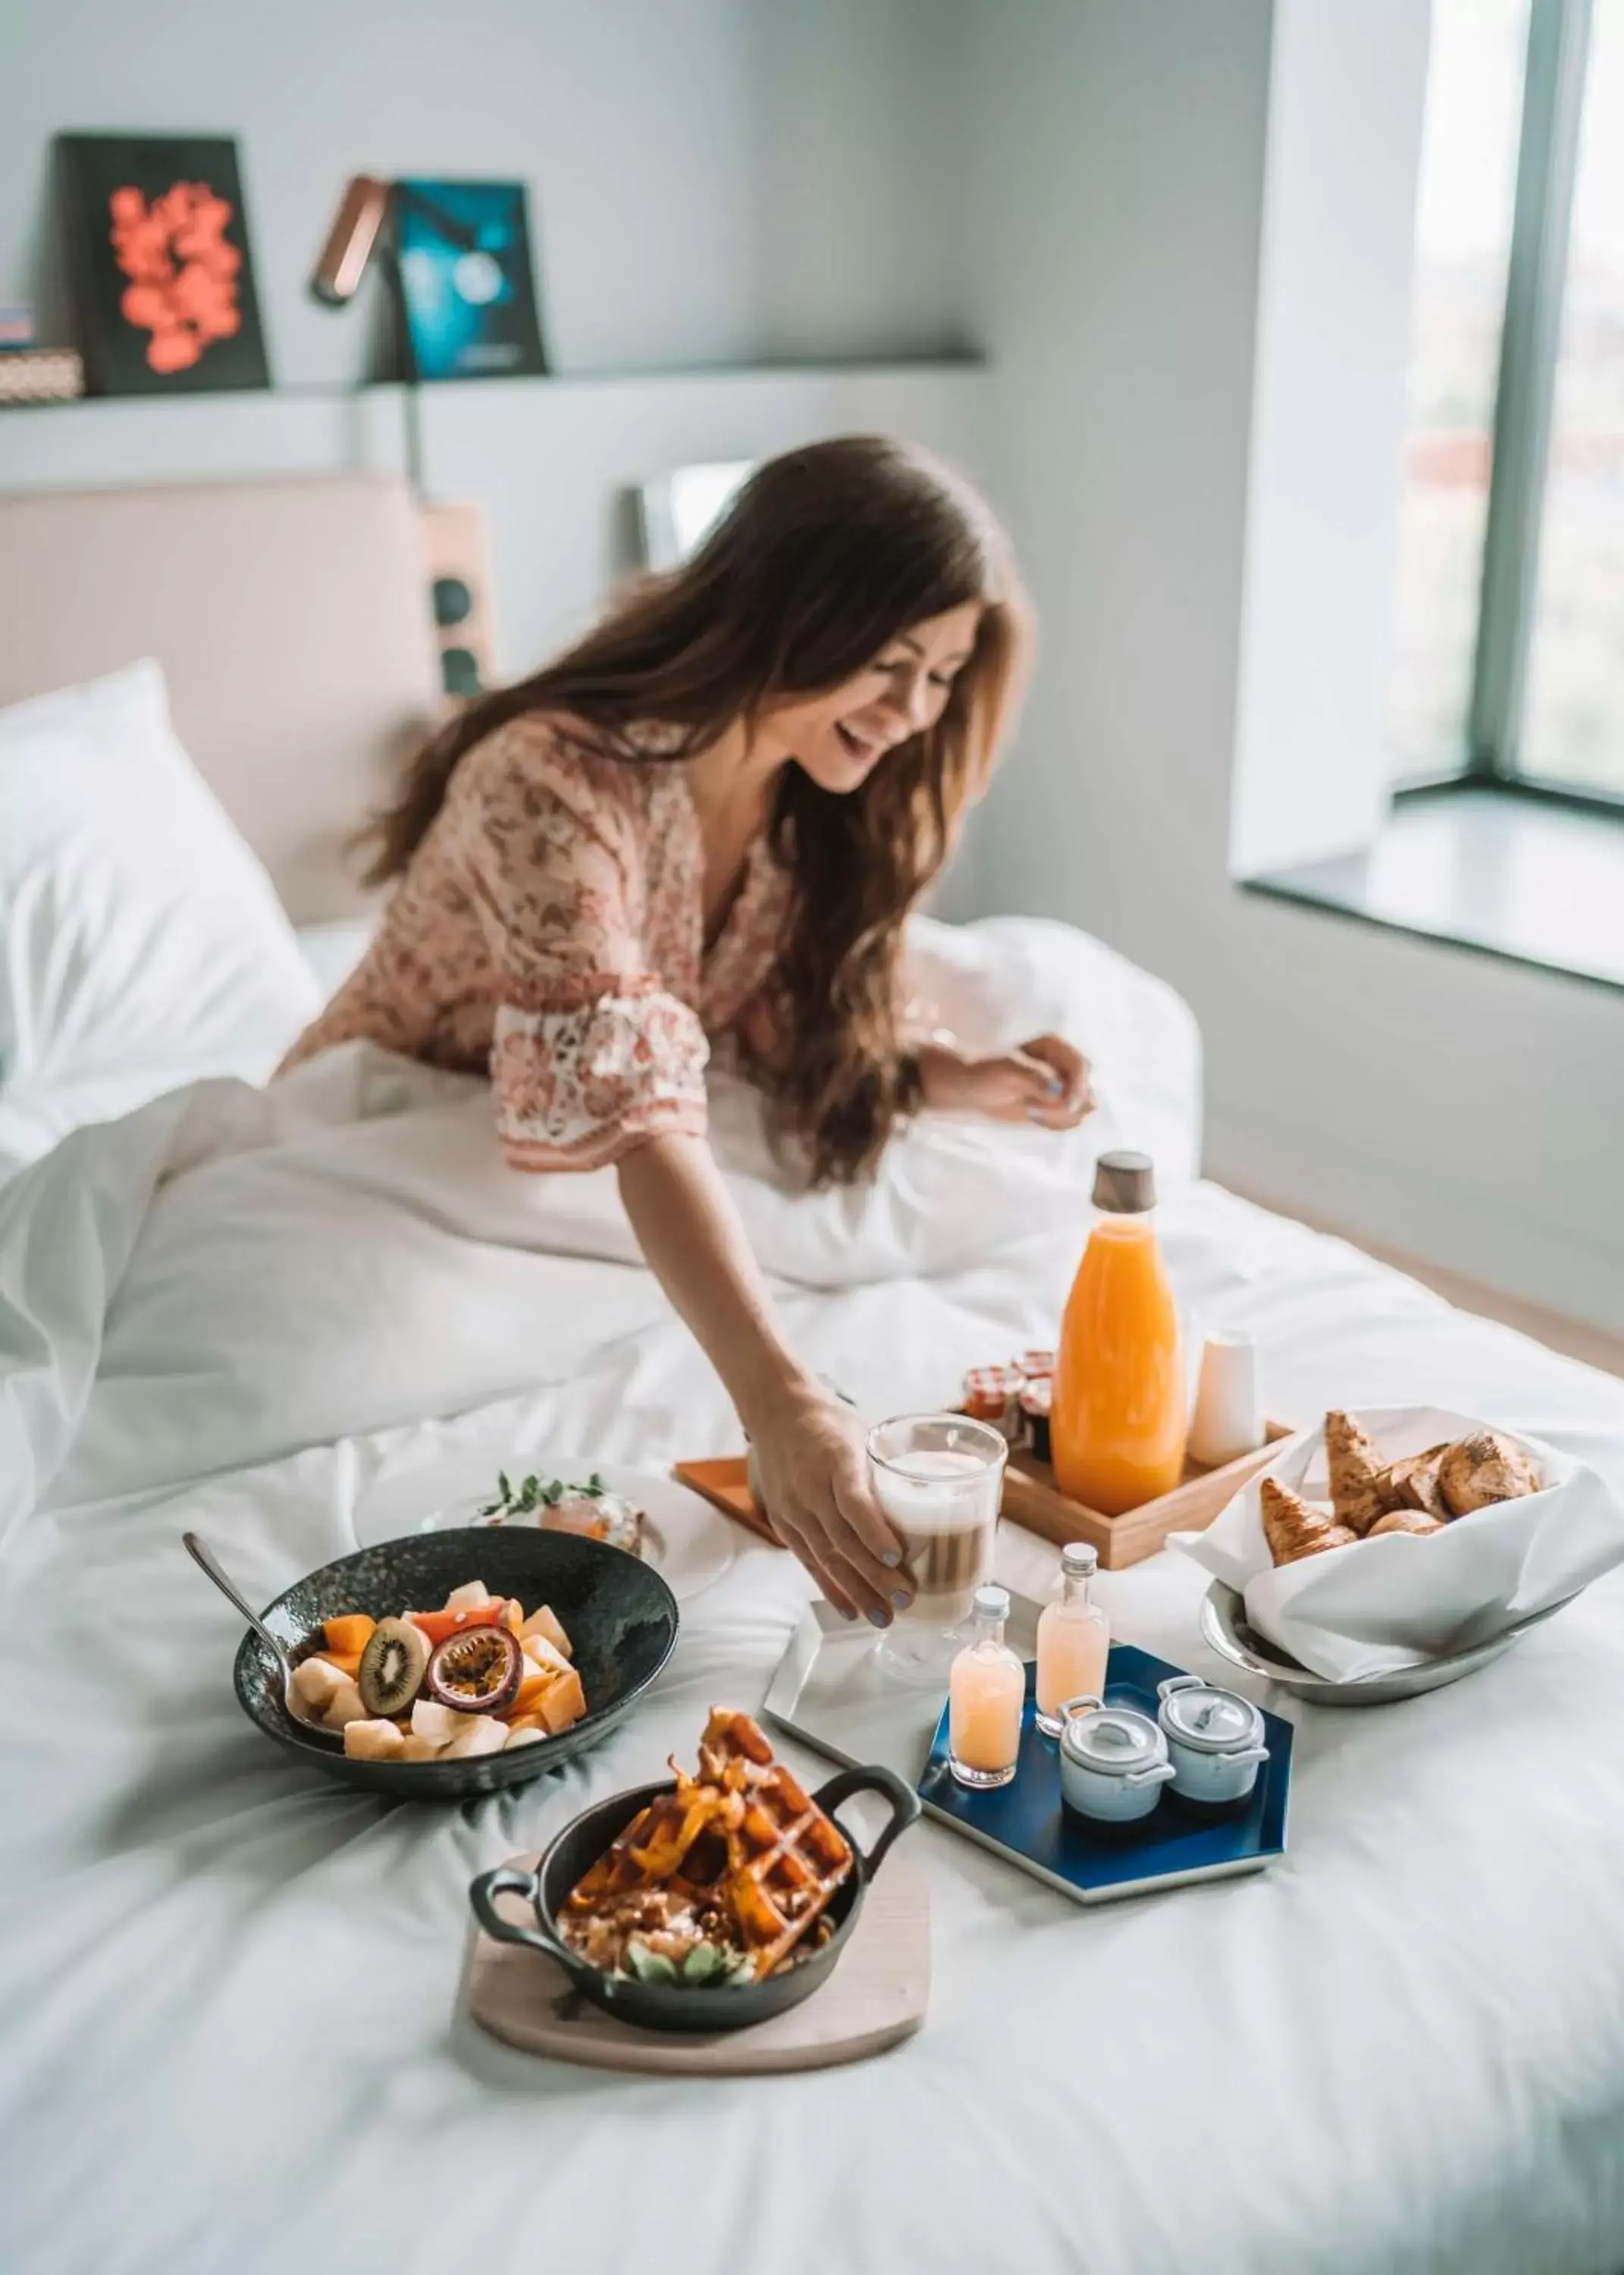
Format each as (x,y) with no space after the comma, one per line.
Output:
(876,1996)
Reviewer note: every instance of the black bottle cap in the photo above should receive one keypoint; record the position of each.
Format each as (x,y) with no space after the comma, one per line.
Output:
(1125,1184)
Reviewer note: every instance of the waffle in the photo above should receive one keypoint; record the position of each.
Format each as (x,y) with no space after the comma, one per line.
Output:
(742,1842)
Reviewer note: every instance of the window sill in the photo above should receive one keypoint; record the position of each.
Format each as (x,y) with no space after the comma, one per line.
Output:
(1485,870)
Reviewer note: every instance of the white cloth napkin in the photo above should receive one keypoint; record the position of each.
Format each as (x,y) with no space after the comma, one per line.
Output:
(1382,1605)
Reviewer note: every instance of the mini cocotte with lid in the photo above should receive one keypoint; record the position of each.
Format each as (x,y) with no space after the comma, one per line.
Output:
(1112,1739)
(1210,1719)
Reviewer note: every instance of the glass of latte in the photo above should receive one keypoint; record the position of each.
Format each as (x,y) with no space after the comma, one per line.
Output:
(939,1478)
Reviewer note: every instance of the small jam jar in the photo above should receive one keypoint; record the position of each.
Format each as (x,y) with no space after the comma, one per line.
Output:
(1113,1762)
(1214,1742)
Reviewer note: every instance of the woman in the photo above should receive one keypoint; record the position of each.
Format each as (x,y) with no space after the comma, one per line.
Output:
(703,826)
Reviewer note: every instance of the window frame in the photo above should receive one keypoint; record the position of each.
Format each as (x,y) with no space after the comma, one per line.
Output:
(1559,34)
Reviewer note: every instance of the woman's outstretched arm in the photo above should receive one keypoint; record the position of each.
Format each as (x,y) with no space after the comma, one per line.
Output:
(810,1447)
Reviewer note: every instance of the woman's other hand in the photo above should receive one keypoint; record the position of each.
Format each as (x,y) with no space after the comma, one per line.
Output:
(1045,1081)
(812,1459)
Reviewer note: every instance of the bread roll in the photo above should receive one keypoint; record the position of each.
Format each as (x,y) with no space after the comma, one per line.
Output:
(1484,1470)
(1405,1520)
(1293,1528)
(1413,1482)
(1350,1455)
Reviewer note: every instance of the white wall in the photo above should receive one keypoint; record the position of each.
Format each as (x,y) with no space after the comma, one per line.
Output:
(1163,339)
(712,181)
(1327,434)
(1181,230)
(862,174)
(1113,273)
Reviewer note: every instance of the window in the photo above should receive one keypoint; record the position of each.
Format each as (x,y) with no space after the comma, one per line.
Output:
(1508,664)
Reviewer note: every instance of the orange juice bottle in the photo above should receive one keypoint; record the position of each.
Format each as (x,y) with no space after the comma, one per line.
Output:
(1121,1408)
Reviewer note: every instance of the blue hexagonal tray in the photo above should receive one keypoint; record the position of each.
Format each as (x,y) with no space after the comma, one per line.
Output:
(1025,1822)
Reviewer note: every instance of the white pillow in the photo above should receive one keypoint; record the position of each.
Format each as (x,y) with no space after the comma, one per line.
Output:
(951,1191)
(331,951)
(140,941)
(1001,981)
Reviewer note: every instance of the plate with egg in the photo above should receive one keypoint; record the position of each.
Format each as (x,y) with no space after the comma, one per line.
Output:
(642,1512)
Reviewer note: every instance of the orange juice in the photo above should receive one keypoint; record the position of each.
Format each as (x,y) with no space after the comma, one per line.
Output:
(1120,1407)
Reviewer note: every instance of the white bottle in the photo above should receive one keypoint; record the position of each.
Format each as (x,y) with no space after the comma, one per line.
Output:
(1074,1640)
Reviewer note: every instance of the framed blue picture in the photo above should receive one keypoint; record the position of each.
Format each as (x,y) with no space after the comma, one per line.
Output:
(467,290)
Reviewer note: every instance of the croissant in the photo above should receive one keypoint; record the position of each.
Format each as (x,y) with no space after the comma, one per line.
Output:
(1405,1520)
(1412,1482)
(1482,1470)
(1293,1530)
(1351,1456)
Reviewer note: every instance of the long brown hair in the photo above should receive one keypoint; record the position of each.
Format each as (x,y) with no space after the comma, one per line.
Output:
(826,554)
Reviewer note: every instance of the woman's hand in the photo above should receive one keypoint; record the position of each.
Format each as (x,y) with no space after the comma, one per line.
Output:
(811,1451)
(808,1447)
(1045,1081)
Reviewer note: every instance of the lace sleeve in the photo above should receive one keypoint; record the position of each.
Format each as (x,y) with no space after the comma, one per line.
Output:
(590,1053)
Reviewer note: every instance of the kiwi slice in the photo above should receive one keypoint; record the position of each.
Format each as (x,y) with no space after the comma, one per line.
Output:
(390,1673)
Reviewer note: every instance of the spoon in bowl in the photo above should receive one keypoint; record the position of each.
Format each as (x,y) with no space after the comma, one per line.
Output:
(202,1554)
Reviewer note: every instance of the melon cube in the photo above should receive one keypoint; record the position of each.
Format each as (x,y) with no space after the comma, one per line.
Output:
(315,1682)
(545,1655)
(344,1707)
(564,1703)
(544,1621)
(485,1735)
(372,1741)
(438,1725)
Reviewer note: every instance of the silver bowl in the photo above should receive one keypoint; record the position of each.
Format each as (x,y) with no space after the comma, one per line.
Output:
(1226,1629)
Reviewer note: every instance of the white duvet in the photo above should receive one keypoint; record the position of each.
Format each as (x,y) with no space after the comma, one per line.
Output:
(228,1988)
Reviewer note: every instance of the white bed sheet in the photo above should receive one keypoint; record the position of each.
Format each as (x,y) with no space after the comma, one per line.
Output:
(228,1988)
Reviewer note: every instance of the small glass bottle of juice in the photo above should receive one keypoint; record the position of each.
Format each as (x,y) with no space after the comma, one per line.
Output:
(1074,1640)
(986,1690)
(1120,1407)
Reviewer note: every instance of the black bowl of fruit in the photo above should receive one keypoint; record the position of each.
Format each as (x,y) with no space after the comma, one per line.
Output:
(451,1663)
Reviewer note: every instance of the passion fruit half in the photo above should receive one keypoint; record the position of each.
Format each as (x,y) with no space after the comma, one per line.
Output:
(477,1671)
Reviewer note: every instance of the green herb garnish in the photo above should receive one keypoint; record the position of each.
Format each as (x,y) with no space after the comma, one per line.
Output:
(708,1965)
(531,1494)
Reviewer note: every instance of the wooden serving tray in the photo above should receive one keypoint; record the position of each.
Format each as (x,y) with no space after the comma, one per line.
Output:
(726,1486)
(1033,1501)
(875,1997)
(1033,1498)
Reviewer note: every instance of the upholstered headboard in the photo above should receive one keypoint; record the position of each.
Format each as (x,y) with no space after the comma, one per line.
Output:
(292,620)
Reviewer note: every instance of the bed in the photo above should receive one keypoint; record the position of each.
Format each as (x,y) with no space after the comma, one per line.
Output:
(228,1991)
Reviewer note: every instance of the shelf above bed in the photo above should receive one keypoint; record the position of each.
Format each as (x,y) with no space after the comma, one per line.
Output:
(553,460)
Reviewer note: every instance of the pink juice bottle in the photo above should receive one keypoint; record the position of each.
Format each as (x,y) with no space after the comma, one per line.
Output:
(1074,1640)
(986,1691)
